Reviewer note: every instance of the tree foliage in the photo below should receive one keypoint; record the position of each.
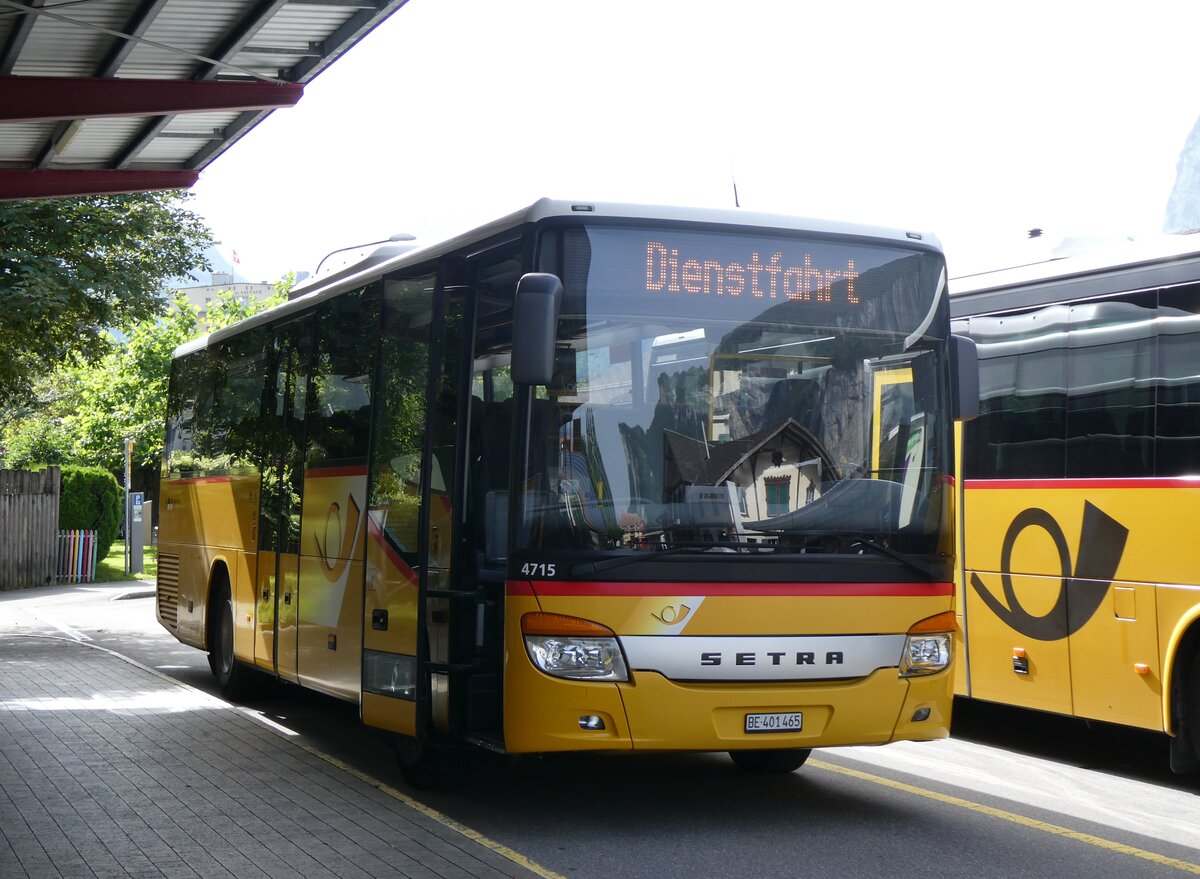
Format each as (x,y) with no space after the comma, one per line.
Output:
(72,268)
(85,411)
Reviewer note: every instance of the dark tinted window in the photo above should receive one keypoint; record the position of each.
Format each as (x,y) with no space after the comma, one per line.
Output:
(241,398)
(290,351)
(214,414)
(1022,425)
(1114,382)
(190,395)
(1177,440)
(401,420)
(339,420)
(1110,376)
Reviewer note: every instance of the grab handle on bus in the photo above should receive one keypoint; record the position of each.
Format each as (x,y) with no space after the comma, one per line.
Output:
(535,325)
(964,372)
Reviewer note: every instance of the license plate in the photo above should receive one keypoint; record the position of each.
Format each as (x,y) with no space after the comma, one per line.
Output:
(783,721)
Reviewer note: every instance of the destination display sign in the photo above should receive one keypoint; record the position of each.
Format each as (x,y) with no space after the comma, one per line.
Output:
(763,275)
(784,279)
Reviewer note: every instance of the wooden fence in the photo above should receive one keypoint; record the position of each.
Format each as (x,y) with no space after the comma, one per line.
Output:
(29,527)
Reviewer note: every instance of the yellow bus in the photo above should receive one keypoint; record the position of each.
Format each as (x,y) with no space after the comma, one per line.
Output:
(587,478)
(1080,587)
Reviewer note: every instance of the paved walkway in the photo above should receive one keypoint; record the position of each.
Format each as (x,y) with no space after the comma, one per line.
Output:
(110,769)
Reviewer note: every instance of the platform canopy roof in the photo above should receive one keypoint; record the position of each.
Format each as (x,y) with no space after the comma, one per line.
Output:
(103,96)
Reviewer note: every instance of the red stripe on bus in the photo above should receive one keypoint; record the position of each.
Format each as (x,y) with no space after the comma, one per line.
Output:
(401,565)
(328,472)
(1038,484)
(194,480)
(561,588)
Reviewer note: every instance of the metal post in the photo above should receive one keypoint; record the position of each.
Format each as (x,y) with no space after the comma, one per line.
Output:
(128,511)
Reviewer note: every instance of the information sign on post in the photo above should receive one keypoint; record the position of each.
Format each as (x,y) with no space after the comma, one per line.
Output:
(136,540)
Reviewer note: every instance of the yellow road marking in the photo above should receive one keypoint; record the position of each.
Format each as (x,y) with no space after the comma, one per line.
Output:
(1013,817)
(445,820)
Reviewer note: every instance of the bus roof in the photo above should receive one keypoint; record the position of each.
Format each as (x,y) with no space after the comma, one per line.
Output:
(1161,261)
(355,276)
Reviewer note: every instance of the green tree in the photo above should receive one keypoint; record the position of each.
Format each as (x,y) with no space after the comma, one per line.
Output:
(87,410)
(72,268)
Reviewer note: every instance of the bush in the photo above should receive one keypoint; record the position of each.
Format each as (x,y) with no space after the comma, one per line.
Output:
(90,499)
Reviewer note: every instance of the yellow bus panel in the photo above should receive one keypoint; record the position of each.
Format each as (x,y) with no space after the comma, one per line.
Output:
(1065,582)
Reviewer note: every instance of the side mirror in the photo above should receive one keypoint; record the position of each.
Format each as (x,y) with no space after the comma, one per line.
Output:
(964,378)
(535,325)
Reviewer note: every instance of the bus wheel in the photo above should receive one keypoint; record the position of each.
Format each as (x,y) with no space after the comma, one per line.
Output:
(773,762)
(1191,707)
(235,680)
(429,767)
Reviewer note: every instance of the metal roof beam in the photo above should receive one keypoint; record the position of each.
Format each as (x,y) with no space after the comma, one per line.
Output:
(353,29)
(20,184)
(306,52)
(139,23)
(241,36)
(44,98)
(235,129)
(17,37)
(352,4)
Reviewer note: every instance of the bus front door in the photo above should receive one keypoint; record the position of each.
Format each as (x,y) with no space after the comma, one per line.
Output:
(426,614)
(443,595)
(397,510)
(462,611)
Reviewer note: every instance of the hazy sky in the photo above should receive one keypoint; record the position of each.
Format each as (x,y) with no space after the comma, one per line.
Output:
(973,121)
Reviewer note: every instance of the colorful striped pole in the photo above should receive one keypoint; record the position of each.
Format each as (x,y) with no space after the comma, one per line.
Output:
(77,556)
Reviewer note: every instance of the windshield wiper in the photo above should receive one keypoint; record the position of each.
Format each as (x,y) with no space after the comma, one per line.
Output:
(621,561)
(595,567)
(918,566)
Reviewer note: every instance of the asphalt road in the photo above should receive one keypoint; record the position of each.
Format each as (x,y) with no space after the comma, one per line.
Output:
(1011,794)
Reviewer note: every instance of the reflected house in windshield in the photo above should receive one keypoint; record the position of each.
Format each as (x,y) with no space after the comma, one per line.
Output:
(770,473)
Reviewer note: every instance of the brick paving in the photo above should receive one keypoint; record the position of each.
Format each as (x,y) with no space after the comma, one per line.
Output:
(108,769)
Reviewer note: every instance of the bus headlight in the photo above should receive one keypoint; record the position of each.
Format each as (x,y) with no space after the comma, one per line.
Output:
(568,647)
(924,655)
(927,647)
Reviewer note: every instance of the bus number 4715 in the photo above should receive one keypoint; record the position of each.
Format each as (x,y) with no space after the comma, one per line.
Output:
(538,569)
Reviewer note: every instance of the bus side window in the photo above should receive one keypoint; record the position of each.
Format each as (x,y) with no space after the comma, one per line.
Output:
(491,433)
(400,423)
(339,411)
(1177,436)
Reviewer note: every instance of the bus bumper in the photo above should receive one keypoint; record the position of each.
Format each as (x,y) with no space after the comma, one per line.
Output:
(651,713)
(664,715)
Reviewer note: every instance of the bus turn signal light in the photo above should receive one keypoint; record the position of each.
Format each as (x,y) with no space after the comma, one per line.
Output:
(560,624)
(942,622)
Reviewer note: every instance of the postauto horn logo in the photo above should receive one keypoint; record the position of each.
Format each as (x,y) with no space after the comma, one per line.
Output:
(1101,545)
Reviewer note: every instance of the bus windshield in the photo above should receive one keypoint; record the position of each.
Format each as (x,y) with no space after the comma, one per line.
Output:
(736,393)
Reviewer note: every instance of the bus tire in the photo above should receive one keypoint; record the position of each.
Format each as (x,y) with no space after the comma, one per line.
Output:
(770,762)
(1191,707)
(235,680)
(425,766)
